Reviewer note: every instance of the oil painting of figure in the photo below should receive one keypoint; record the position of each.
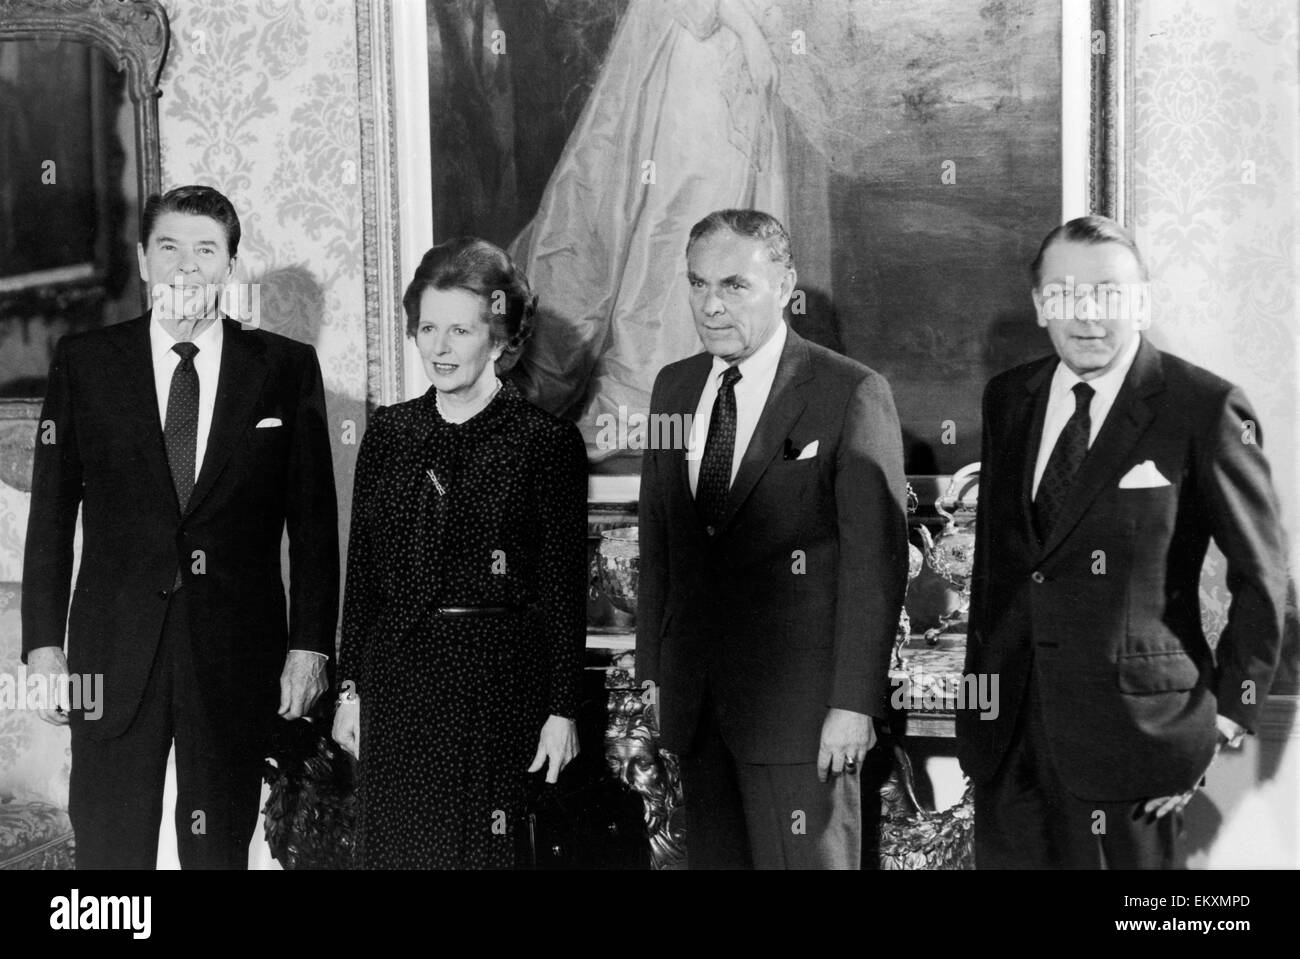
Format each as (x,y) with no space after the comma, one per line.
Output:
(909,150)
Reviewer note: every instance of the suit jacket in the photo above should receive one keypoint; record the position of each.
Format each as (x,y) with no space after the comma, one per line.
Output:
(791,606)
(105,453)
(1107,609)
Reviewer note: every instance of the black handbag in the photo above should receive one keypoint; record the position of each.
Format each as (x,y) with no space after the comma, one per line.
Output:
(311,812)
(587,820)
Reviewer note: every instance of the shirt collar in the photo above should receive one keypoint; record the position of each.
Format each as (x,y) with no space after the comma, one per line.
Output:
(761,361)
(1107,385)
(161,342)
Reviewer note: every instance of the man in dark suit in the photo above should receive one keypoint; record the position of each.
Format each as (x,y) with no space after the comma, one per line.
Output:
(189,445)
(773,563)
(1105,471)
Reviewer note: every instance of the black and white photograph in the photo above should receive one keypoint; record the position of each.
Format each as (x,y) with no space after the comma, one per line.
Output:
(595,436)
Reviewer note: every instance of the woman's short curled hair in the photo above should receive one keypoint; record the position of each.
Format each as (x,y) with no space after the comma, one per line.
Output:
(484,269)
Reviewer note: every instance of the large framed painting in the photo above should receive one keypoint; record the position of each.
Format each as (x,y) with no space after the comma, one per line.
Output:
(916,152)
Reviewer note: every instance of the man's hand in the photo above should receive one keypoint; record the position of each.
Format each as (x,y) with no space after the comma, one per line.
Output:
(1162,806)
(1229,735)
(301,683)
(1231,732)
(846,735)
(556,747)
(49,661)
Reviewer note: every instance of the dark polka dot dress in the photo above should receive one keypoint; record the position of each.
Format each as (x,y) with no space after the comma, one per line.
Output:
(486,513)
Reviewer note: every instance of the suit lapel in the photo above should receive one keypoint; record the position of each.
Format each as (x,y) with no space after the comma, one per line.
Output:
(783,407)
(1129,417)
(141,398)
(239,384)
(683,404)
(1029,424)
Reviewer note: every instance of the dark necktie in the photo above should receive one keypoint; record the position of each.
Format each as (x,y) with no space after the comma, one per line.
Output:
(181,431)
(1071,447)
(715,466)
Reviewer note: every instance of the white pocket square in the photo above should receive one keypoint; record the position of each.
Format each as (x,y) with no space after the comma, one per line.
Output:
(269,421)
(809,451)
(1143,476)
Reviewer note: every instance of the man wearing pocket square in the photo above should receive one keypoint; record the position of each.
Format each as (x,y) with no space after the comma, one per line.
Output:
(189,445)
(773,563)
(1106,470)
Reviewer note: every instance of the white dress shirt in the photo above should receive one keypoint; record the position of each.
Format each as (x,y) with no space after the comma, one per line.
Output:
(1061,404)
(207,363)
(757,371)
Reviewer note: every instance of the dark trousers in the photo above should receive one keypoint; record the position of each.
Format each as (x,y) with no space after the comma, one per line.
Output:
(750,816)
(116,791)
(1025,817)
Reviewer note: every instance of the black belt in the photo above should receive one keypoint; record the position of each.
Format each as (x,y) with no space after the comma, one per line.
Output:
(468,612)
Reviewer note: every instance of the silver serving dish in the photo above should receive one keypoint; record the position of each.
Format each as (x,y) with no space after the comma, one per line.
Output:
(951,552)
(618,559)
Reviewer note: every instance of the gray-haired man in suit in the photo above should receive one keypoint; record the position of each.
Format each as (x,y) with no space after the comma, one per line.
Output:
(773,565)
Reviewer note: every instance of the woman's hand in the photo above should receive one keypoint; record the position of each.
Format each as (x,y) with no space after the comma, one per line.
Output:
(556,747)
(742,17)
(347,727)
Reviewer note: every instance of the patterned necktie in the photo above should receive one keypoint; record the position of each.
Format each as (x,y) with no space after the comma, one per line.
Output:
(181,431)
(715,466)
(1071,447)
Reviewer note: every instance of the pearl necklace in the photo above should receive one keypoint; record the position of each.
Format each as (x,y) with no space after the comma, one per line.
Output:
(437,398)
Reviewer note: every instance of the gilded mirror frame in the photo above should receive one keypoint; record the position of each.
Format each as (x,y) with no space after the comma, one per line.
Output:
(135,35)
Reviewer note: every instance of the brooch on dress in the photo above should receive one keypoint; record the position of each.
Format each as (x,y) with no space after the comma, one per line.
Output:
(437,484)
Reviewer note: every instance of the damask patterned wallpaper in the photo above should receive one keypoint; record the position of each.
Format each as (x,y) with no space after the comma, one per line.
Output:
(260,101)
(1217,191)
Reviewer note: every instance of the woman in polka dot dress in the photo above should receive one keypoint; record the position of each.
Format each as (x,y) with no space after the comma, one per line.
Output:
(464,615)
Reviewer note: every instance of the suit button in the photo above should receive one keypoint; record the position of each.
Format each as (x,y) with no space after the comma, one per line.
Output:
(710,530)
(1037,577)
(163,593)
